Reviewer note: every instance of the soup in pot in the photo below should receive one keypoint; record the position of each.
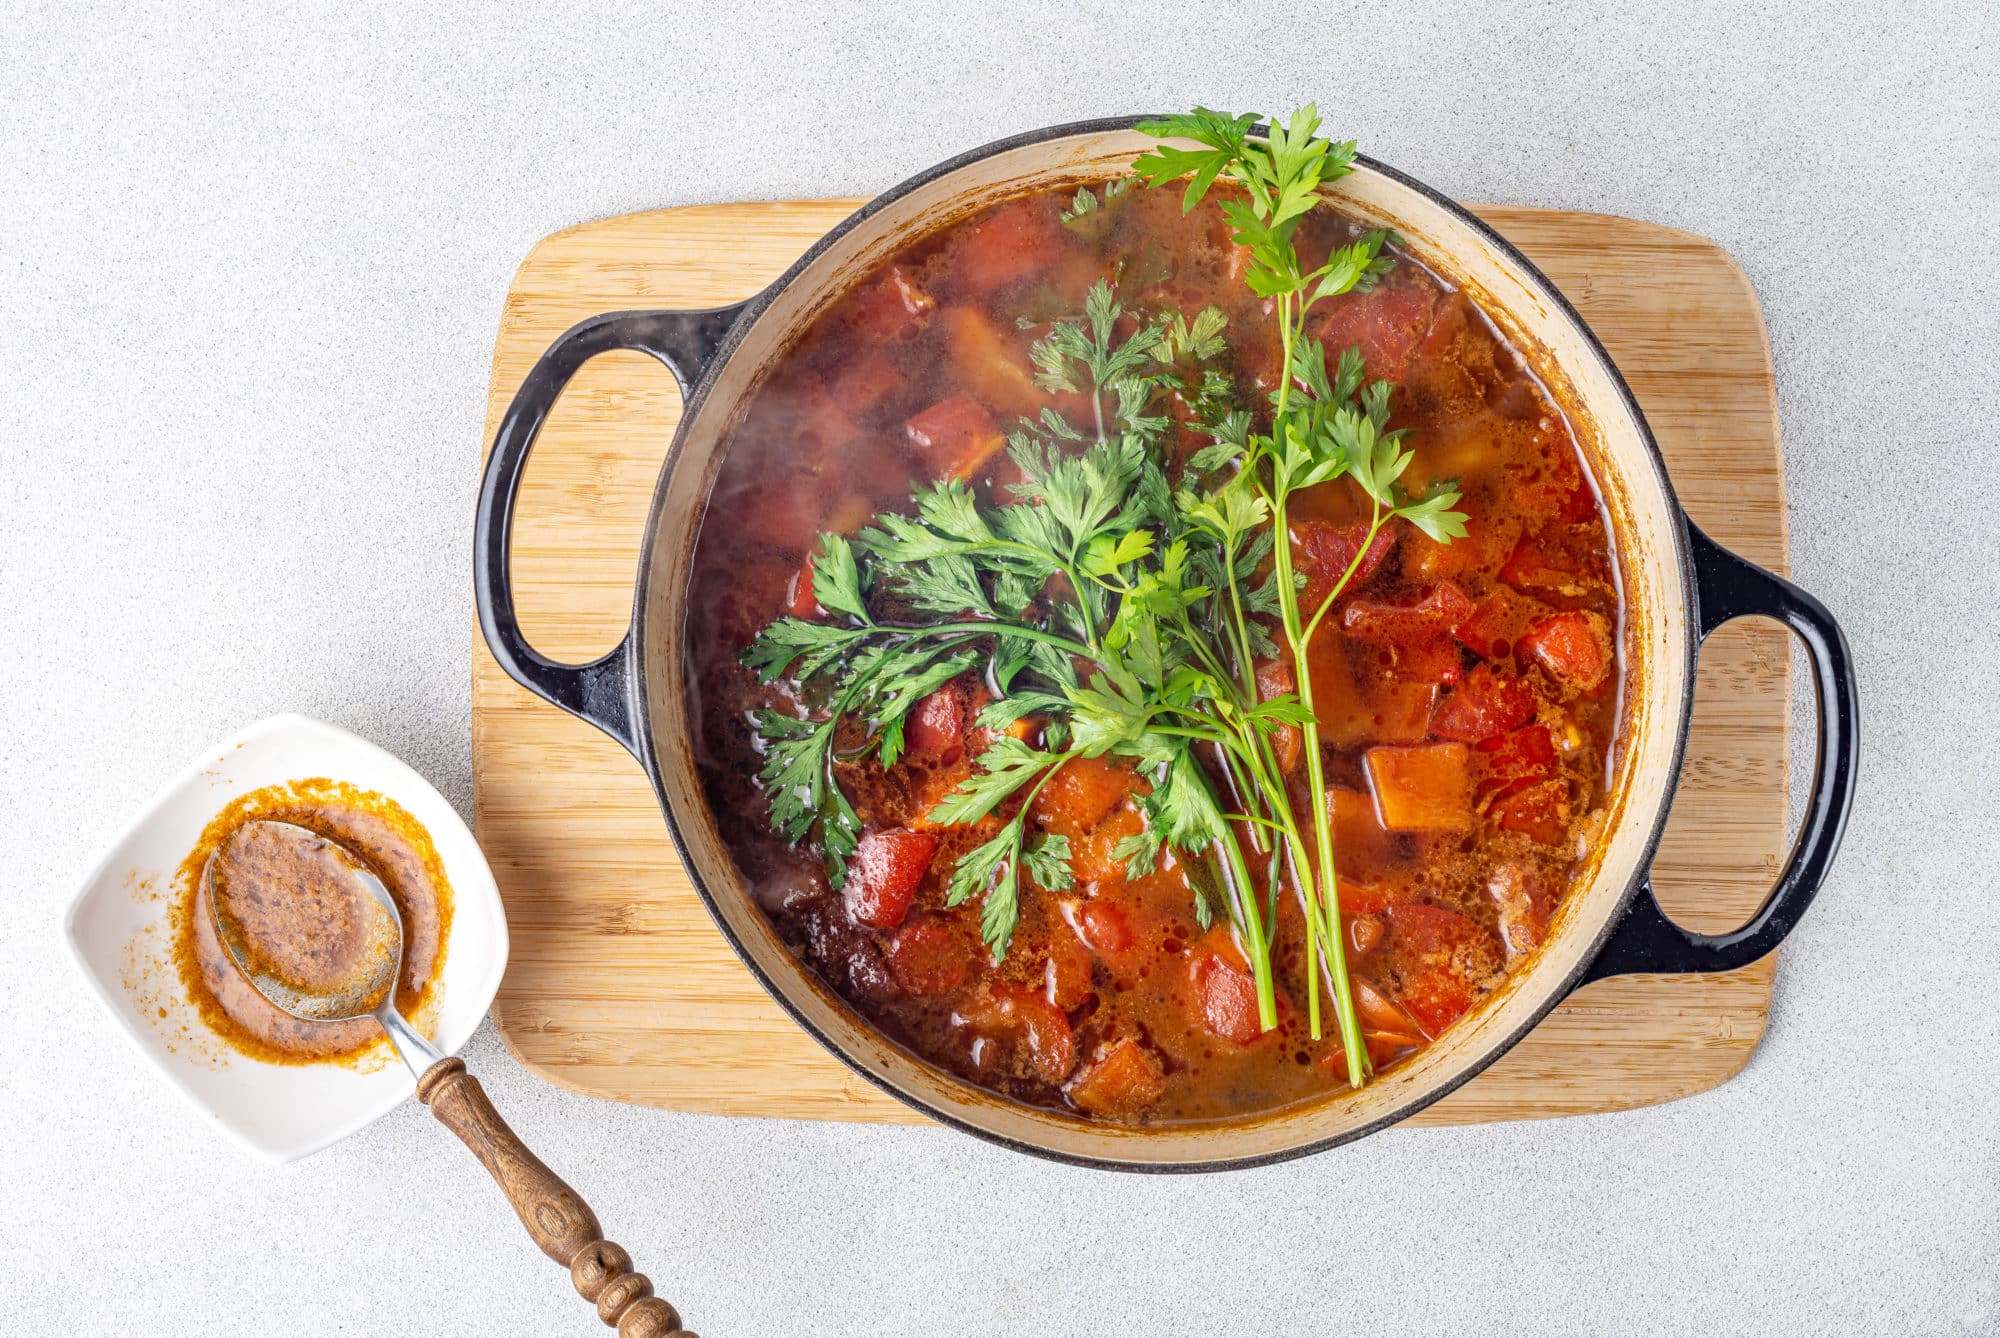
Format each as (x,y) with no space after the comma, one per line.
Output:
(1124,718)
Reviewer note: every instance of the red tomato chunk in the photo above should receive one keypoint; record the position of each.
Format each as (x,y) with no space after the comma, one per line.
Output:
(1121,1080)
(1540,811)
(1436,662)
(1571,646)
(1014,240)
(1223,987)
(1102,926)
(1486,704)
(1384,324)
(870,379)
(1079,795)
(926,958)
(889,306)
(800,601)
(1444,958)
(1379,624)
(935,729)
(884,875)
(955,437)
(1022,1019)
(1323,552)
(1513,762)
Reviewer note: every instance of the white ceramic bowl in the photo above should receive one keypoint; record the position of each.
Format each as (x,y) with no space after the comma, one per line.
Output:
(118,932)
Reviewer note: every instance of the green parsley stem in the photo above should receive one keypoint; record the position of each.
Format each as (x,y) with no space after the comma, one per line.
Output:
(1253,819)
(1375,522)
(1335,947)
(1214,736)
(1242,899)
(1334,951)
(1246,664)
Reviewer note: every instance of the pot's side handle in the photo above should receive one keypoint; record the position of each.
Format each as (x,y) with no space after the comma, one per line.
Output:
(600,691)
(1728,588)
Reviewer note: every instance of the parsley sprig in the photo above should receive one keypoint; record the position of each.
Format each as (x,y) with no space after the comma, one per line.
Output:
(1324,426)
(1114,664)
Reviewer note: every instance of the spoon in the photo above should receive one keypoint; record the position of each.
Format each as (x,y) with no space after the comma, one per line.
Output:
(317,934)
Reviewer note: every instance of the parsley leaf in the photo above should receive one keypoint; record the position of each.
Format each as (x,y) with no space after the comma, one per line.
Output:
(1003,769)
(837,579)
(1047,858)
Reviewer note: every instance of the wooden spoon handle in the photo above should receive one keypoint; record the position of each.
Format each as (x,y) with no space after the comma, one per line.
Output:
(559,1221)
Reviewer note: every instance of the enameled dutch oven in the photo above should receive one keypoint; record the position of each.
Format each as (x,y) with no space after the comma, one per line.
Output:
(1679,587)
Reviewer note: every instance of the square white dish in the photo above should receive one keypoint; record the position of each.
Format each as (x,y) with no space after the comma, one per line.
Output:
(117,926)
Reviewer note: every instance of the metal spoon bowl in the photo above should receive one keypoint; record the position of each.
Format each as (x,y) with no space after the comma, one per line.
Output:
(315,932)
(368,988)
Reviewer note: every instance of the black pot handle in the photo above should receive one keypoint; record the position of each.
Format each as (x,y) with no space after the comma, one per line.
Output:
(1728,588)
(600,691)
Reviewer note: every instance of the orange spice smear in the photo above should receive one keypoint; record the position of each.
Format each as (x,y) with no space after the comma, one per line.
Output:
(393,846)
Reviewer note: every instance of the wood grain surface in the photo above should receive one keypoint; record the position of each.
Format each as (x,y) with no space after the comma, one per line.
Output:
(619,984)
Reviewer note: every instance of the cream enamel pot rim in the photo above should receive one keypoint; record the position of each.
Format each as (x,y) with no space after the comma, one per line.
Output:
(1679,586)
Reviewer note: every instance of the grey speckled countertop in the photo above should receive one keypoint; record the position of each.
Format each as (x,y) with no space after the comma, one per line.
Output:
(249,279)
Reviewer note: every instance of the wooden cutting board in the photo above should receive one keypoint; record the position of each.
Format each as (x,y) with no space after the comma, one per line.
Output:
(620,986)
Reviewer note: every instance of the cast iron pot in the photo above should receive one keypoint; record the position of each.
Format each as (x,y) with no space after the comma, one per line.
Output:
(1679,586)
